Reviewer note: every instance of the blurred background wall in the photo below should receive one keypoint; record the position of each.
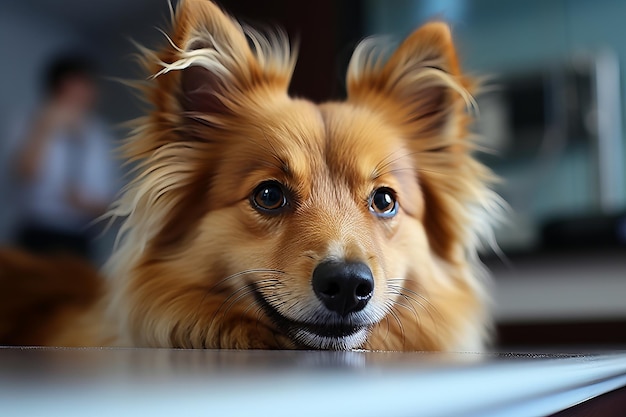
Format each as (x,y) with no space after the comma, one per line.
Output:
(27,39)
(32,33)
(512,38)
(554,176)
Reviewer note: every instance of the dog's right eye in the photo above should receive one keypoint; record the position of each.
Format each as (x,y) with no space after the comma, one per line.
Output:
(269,196)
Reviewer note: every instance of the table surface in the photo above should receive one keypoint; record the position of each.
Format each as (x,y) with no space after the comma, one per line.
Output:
(166,382)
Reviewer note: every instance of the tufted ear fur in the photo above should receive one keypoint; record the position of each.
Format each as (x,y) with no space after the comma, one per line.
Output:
(218,60)
(421,82)
(210,72)
(421,89)
(212,61)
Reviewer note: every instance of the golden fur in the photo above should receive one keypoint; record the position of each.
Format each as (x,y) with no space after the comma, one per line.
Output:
(43,297)
(194,255)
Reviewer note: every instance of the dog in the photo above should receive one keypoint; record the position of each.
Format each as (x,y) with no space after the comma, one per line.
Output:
(257,220)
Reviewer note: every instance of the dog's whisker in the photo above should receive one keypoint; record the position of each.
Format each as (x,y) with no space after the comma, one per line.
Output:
(421,301)
(393,314)
(388,327)
(407,306)
(216,319)
(235,296)
(428,307)
(420,297)
(257,319)
(381,168)
(239,274)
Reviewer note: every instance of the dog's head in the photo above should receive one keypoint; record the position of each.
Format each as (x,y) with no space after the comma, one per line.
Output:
(261,220)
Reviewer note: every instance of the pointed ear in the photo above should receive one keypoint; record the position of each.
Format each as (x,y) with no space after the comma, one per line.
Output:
(420,88)
(421,82)
(219,59)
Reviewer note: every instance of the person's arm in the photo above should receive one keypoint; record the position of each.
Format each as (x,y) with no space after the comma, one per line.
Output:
(29,158)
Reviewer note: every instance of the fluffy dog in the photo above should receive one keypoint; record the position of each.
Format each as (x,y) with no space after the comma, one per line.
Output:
(259,220)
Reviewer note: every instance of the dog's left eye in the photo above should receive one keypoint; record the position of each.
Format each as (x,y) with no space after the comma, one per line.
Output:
(269,196)
(383,202)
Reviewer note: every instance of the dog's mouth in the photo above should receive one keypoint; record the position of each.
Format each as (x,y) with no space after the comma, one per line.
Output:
(336,335)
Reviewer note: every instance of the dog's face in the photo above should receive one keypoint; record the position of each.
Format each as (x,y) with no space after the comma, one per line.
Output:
(267,221)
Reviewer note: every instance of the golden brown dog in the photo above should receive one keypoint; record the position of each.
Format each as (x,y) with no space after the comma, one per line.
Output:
(258,220)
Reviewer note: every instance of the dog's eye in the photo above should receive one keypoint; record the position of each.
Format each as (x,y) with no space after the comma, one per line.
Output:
(269,196)
(383,202)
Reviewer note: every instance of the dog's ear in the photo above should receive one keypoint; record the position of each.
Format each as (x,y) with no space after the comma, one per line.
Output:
(421,90)
(420,83)
(219,59)
(211,71)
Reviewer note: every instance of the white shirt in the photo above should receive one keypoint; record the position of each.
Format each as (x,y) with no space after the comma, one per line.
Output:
(83,164)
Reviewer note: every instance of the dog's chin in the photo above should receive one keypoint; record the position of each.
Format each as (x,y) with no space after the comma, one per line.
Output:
(314,340)
(334,335)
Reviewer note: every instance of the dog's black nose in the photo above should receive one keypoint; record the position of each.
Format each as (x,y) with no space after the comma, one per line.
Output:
(343,287)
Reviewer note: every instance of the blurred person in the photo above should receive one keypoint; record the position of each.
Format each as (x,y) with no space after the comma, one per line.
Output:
(63,164)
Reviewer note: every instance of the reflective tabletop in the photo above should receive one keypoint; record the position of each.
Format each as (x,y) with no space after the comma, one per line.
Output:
(160,382)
